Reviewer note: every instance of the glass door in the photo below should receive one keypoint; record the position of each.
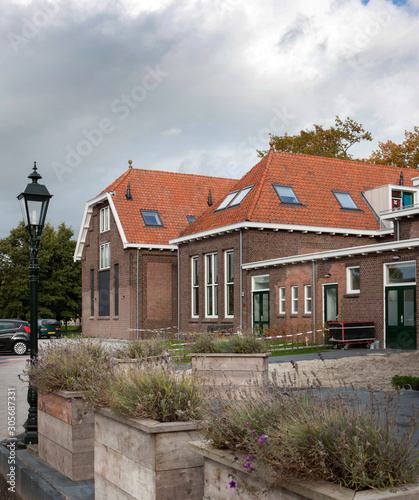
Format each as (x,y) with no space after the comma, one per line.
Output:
(260,311)
(330,293)
(401,317)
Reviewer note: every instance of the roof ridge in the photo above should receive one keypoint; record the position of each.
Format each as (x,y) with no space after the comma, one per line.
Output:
(261,182)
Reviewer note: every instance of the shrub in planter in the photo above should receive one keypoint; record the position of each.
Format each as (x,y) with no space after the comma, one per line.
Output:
(316,434)
(405,382)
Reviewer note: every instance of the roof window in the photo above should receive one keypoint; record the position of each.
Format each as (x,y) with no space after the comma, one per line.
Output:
(190,218)
(345,200)
(235,198)
(151,218)
(286,194)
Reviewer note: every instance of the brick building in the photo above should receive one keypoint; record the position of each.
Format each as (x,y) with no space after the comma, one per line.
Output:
(304,240)
(129,268)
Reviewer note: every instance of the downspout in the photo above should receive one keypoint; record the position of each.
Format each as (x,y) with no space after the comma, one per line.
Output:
(398,229)
(241,280)
(138,290)
(178,290)
(313,299)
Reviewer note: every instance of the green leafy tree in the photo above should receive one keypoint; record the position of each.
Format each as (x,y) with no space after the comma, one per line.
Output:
(333,142)
(404,155)
(59,294)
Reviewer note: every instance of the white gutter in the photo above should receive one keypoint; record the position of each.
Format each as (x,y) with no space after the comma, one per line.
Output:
(147,246)
(391,246)
(280,227)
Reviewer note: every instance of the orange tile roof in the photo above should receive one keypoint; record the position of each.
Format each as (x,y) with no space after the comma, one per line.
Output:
(173,195)
(312,178)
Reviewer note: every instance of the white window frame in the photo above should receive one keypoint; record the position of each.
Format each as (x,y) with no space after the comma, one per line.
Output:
(307,299)
(400,264)
(105,256)
(349,282)
(281,295)
(195,286)
(211,285)
(294,299)
(105,219)
(228,285)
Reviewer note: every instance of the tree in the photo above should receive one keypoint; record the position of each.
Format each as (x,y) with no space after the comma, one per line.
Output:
(333,142)
(59,280)
(404,155)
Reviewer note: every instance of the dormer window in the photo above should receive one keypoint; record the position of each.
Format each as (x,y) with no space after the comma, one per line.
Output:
(401,199)
(286,195)
(235,198)
(345,200)
(151,218)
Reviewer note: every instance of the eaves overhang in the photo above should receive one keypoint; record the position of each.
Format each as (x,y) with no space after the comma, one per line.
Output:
(399,213)
(87,215)
(391,246)
(281,227)
(145,246)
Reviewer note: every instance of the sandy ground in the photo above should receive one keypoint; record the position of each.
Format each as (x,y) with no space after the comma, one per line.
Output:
(374,369)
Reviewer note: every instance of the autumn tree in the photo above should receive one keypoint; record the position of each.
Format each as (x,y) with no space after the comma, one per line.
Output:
(333,142)
(59,294)
(404,155)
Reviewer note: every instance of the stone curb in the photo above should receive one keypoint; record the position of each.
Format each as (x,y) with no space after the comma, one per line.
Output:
(29,485)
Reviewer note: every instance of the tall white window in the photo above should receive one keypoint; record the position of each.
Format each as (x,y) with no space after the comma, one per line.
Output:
(105,219)
(105,255)
(195,286)
(281,300)
(307,299)
(229,283)
(211,285)
(294,300)
(353,282)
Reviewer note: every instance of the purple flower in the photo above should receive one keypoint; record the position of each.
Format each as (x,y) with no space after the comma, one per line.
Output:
(246,424)
(232,484)
(70,400)
(248,466)
(253,432)
(263,438)
(320,356)
(249,458)
(293,363)
(99,378)
(310,438)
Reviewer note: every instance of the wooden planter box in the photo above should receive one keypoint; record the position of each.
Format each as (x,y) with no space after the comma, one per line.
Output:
(146,459)
(231,371)
(220,468)
(66,434)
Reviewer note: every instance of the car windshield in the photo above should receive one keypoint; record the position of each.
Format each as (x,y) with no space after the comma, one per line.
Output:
(50,322)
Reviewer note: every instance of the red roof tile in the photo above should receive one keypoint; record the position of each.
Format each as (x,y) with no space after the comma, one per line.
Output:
(173,195)
(313,178)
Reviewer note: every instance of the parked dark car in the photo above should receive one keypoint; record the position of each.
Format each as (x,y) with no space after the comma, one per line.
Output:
(14,335)
(49,328)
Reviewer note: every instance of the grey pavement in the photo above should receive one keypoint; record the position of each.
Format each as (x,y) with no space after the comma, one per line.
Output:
(39,481)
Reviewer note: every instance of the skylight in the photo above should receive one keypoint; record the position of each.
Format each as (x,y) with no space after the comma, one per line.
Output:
(286,194)
(190,218)
(235,198)
(151,218)
(345,200)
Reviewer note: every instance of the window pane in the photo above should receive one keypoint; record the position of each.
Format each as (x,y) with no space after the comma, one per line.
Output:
(345,200)
(286,194)
(240,197)
(227,200)
(151,218)
(409,308)
(401,273)
(261,283)
(392,308)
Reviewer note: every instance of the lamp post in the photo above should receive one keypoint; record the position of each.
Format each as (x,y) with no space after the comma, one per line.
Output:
(34,204)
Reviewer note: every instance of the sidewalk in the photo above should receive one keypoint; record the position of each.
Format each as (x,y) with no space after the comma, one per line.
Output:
(36,480)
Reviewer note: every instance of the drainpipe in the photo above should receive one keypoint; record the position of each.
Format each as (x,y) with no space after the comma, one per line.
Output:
(313,299)
(241,280)
(138,289)
(178,290)
(398,229)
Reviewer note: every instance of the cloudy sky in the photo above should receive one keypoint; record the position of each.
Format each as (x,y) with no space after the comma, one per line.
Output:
(189,85)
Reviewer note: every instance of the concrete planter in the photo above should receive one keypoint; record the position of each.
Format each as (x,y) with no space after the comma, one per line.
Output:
(125,363)
(220,468)
(145,459)
(228,371)
(66,434)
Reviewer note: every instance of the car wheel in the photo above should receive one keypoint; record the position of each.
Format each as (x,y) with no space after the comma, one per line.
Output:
(20,348)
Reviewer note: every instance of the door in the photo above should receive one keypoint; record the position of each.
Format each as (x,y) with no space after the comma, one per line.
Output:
(401,317)
(330,293)
(260,311)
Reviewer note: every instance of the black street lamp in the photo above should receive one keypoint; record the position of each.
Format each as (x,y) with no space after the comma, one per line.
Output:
(34,204)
